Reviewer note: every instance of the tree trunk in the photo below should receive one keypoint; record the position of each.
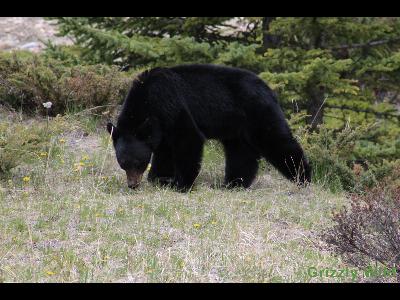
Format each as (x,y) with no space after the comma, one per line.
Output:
(315,107)
(269,40)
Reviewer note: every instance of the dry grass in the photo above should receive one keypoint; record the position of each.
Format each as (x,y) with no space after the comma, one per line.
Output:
(76,221)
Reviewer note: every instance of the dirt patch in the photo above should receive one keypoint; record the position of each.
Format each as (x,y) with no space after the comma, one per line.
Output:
(80,141)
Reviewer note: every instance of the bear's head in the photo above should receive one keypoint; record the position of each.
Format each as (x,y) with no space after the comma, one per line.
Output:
(133,150)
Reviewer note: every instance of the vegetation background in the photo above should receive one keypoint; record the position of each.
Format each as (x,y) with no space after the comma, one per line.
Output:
(66,214)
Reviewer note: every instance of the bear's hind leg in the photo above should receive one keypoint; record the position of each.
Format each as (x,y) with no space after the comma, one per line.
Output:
(270,134)
(285,154)
(241,163)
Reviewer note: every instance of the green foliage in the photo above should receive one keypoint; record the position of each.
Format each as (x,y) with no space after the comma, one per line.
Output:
(293,80)
(29,80)
(23,143)
(321,63)
(70,55)
(241,56)
(353,158)
(378,143)
(138,50)
(329,154)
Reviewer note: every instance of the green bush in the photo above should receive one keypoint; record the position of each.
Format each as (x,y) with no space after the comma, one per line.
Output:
(350,159)
(386,172)
(28,80)
(329,155)
(24,142)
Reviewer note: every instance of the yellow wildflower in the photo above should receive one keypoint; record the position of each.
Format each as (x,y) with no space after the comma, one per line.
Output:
(62,141)
(43,154)
(26,179)
(197,225)
(50,273)
(85,157)
(78,166)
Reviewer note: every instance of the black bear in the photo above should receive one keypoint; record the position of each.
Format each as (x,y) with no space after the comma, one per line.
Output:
(170,112)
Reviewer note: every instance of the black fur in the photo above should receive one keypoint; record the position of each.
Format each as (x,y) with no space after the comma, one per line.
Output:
(170,112)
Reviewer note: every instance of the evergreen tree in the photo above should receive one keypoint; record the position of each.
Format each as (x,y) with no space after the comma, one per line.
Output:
(327,67)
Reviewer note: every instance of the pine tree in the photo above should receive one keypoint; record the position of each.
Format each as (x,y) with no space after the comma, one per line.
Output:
(335,65)
(327,67)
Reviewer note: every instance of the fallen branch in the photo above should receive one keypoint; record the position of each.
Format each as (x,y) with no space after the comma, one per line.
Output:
(368,44)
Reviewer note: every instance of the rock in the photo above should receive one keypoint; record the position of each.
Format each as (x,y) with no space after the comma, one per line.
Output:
(32,46)
(27,33)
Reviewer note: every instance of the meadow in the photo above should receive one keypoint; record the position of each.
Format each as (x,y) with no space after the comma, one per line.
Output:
(68,216)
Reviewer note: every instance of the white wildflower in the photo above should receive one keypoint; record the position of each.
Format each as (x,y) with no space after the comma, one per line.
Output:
(47,104)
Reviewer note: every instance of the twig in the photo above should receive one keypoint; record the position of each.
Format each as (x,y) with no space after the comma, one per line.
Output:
(94,108)
(319,109)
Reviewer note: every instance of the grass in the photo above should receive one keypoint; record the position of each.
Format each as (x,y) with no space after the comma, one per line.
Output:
(75,220)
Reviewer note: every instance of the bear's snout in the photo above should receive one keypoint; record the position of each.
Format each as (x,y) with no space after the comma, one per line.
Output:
(133,177)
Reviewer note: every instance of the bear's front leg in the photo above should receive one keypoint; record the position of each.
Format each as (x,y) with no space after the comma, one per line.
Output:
(187,159)
(162,169)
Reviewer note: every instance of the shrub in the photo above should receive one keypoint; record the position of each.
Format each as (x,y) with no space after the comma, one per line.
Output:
(28,80)
(329,153)
(24,142)
(368,232)
(350,159)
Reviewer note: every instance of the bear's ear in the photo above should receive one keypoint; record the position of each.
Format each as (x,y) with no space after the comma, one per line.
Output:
(111,129)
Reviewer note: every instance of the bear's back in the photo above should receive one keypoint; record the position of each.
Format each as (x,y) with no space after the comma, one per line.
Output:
(217,72)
